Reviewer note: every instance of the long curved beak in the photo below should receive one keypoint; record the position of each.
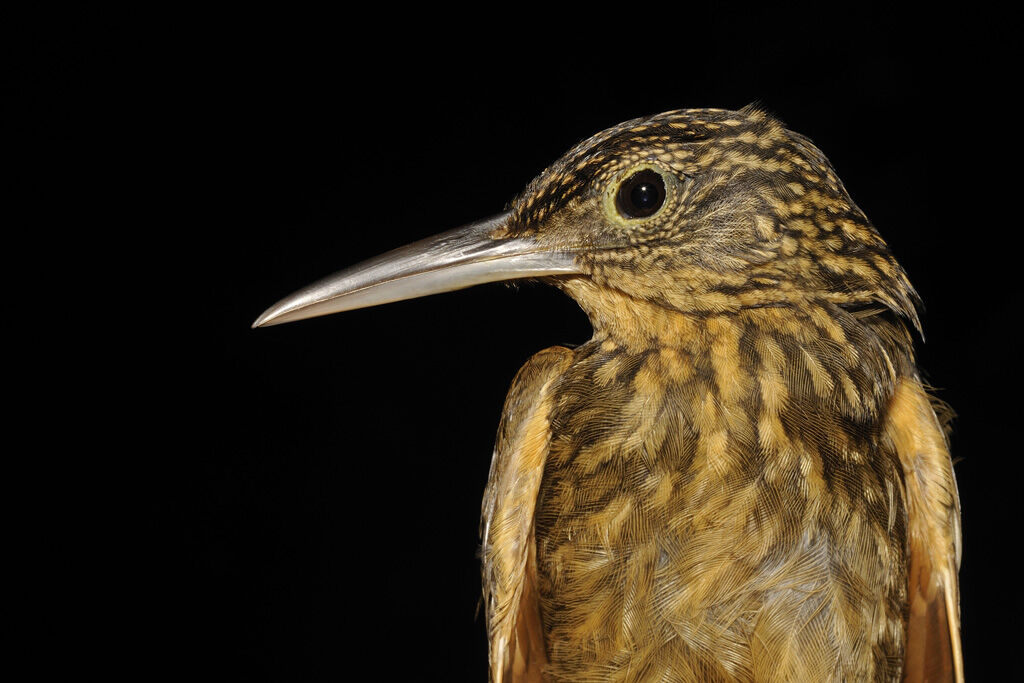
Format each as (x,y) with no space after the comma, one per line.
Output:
(460,258)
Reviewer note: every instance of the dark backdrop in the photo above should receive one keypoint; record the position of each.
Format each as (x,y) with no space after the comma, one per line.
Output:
(310,492)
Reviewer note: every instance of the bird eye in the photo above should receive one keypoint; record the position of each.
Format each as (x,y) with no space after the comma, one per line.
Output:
(641,195)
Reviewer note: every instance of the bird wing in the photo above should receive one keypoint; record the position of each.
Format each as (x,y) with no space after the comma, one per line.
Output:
(509,552)
(933,509)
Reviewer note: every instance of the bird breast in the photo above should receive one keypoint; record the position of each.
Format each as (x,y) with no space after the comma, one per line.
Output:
(724,490)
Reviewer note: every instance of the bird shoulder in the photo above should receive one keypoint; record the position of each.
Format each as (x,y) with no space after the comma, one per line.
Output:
(507,525)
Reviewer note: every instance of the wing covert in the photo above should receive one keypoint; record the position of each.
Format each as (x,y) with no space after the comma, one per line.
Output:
(933,651)
(507,524)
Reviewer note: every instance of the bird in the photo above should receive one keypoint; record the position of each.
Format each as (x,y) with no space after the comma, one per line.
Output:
(742,475)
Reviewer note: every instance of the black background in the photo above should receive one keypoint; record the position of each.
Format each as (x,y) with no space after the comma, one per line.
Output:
(303,500)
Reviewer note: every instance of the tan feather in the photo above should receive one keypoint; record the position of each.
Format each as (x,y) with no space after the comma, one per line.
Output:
(933,508)
(509,559)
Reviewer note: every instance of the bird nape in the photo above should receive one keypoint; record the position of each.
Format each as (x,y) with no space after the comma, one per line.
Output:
(740,476)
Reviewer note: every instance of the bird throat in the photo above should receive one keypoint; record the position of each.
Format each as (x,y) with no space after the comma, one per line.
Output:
(628,322)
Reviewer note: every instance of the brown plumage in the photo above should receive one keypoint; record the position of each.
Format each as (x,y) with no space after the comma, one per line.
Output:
(740,477)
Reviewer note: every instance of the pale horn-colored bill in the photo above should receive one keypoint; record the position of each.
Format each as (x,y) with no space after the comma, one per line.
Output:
(453,260)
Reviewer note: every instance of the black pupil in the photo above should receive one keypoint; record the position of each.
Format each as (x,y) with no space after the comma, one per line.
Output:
(642,194)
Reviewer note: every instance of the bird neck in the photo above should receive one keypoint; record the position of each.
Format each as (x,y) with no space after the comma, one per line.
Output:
(806,330)
(627,322)
(635,324)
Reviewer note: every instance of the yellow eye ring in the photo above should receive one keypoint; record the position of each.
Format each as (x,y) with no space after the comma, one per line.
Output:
(640,193)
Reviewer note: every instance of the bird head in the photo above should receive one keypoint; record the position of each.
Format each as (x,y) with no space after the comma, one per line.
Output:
(700,211)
